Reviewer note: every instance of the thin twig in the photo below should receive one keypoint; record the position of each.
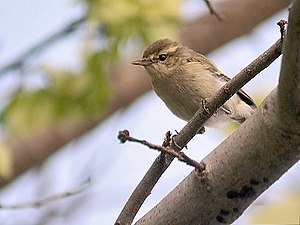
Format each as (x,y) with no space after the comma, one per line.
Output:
(212,11)
(124,136)
(144,188)
(168,139)
(22,58)
(46,200)
(281,23)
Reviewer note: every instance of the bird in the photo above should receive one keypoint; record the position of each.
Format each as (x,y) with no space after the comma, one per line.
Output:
(183,79)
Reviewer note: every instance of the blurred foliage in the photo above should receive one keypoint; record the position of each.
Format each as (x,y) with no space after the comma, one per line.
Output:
(144,19)
(6,167)
(284,211)
(112,25)
(69,95)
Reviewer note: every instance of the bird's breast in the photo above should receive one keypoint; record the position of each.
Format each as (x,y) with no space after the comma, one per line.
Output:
(184,94)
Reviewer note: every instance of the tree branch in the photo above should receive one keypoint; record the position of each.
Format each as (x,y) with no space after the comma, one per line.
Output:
(243,166)
(42,45)
(212,11)
(46,200)
(124,136)
(159,166)
(289,82)
(238,171)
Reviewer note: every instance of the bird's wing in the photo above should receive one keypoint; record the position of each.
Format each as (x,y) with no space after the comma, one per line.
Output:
(198,58)
(209,65)
(241,93)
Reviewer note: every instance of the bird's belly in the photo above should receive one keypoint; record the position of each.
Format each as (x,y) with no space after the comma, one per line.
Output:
(184,101)
(181,107)
(179,102)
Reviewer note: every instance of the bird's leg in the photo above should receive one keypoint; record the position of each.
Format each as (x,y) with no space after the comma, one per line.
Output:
(201,130)
(203,102)
(174,142)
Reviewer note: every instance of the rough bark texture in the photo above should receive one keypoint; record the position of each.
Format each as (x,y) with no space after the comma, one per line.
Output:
(248,161)
(33,150)
(237,172)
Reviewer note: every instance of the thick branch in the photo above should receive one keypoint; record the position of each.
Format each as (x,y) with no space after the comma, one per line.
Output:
(238,171)
(159,166)
(289,83)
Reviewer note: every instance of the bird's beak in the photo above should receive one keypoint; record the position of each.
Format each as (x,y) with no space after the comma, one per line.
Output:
(142,62)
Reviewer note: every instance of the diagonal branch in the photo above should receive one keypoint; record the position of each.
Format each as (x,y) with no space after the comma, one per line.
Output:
(46,200)
(159,166)
(21,60)
(212,11)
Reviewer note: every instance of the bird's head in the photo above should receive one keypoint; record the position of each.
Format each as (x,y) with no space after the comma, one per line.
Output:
(161,57)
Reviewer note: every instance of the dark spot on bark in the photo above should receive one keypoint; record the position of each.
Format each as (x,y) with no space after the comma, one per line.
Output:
(224,212)
(254,182)
(245,192)
(220,219)
(286,136)
(235,210)
(232,194)
(265,180)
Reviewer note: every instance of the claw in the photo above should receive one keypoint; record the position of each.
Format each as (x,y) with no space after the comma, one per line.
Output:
(201,130)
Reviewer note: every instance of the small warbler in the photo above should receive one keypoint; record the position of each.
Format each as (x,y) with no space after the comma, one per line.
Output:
(183,78)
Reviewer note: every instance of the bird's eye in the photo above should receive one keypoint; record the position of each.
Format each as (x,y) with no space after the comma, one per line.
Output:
(162,57)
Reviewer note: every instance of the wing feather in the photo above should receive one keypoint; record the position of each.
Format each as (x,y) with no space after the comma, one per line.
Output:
(209,65)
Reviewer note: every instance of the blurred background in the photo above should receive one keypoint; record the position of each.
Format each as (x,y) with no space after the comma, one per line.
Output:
(67,87)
